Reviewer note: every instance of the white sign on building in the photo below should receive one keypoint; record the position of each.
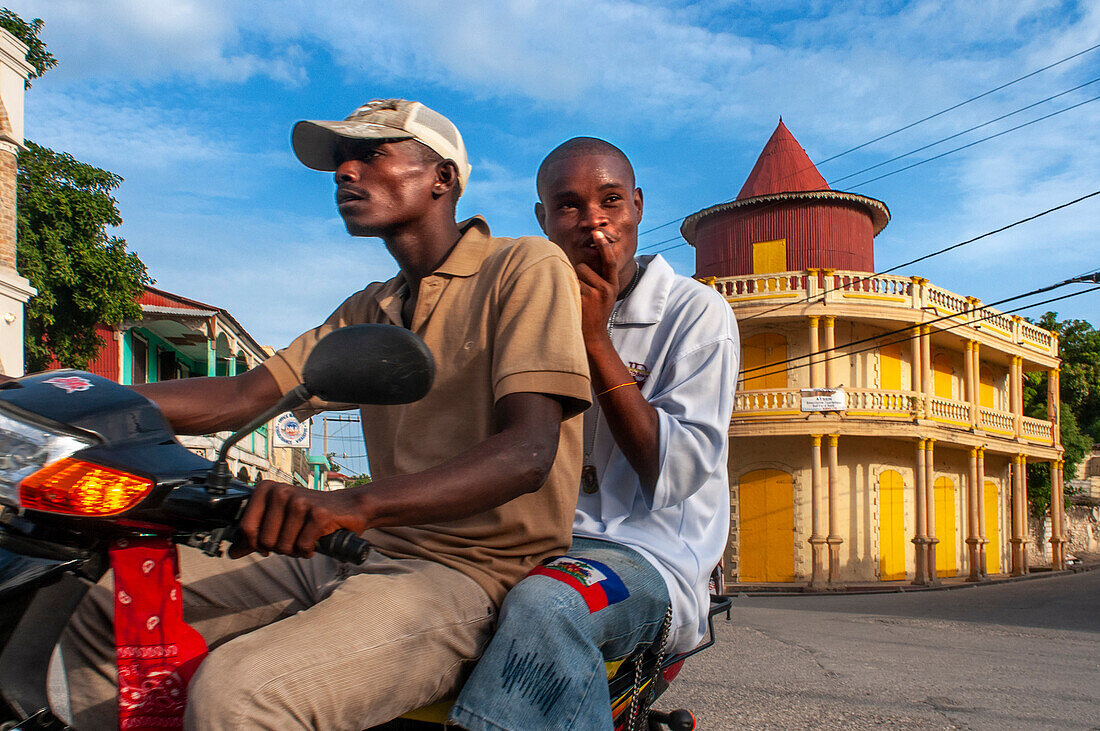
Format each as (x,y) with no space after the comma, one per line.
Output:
(823,399)
(289,432)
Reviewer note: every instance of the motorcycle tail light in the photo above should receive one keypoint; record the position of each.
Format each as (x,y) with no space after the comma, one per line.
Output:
(74,487)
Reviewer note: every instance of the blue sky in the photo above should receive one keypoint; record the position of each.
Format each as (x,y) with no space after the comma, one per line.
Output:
(192,102)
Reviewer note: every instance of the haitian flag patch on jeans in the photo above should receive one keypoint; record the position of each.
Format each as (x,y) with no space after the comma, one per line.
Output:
(598,585)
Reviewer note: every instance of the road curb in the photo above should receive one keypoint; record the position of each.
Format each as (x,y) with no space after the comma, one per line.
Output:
(849,590)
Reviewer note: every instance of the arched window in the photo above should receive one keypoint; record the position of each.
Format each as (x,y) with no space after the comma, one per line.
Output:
(766,527)
(760,356)
(891,526)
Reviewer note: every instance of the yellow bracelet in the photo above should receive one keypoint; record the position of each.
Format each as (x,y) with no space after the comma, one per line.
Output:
(628,383)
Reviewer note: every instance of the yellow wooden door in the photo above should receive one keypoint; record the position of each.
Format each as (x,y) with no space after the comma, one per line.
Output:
(987,390)
(946,553)
(889,366)
(763,356)
(942,375)
(891,526)
(992,529)
(766,534)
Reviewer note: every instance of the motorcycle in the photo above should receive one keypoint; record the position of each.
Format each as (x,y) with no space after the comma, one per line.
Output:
(85,462)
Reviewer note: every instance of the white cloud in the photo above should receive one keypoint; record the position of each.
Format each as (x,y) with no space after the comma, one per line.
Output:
(198,40)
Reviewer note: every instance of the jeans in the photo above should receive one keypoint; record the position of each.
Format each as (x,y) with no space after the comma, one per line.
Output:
(544,668)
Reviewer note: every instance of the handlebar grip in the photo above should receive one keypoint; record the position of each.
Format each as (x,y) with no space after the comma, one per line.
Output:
(343,545)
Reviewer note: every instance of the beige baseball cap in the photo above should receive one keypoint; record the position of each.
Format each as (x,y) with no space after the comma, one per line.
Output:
(315,141)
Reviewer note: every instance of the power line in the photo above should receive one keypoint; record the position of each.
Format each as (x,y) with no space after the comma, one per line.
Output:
(926,256)
(965,131)
(960,104)
(645,249)
(975,142)
(907,328)
(950,327)
(910,126)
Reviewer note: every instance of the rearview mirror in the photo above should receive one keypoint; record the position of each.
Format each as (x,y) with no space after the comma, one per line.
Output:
(369,364)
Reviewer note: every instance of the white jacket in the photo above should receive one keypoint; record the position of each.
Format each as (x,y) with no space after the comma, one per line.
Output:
(679,339)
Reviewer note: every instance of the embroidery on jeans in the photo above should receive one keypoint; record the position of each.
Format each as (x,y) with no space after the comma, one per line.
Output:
(534,680)
(597,584)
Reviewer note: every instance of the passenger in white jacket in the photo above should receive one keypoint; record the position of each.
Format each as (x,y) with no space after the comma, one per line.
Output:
(653,512)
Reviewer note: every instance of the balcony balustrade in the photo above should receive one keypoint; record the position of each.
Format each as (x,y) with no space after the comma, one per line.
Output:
(869,404)
(884,290)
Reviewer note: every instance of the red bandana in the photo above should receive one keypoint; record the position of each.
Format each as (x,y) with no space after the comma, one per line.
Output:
(157,652)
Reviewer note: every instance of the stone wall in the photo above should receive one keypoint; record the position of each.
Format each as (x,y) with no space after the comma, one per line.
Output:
(1082,535)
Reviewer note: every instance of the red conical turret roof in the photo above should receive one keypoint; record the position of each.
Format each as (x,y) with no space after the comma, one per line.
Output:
(783,167)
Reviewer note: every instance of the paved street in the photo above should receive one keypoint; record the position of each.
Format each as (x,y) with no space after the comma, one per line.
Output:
(1014,655)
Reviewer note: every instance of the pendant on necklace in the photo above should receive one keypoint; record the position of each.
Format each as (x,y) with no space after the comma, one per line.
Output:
(590,483)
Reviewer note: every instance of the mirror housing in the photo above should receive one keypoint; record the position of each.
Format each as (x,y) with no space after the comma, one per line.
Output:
(369,364)
(359,364)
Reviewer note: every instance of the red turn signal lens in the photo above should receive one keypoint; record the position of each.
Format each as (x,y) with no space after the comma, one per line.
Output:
(73,487)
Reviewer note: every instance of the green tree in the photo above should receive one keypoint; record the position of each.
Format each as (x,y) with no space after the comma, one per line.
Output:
(83,276)
(37,55)
(1079,348)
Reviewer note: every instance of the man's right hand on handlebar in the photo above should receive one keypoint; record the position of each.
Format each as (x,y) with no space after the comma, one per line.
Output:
(289,519)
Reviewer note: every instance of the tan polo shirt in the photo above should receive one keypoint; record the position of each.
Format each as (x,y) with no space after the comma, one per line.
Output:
(500,316)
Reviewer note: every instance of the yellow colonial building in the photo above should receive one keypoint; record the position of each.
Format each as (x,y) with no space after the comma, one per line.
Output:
(877,432)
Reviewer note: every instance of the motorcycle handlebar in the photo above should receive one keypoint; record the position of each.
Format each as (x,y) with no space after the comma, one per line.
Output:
(344,545)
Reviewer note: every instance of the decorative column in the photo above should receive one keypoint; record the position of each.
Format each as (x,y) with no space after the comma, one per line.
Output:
(915,367)
(1054,406)
(920,540)
(973,496)
(930,511)
(970,378)
(1017,538)
(1024,527)
(834,540)
(1015,392)
(1057,508)
(15,290)
(817,539)
(815,346)
(982,540)
(926,369)
(211,347)
(830,354)
(813,283)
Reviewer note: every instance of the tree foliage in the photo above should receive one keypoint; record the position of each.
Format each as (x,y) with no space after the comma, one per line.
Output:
(37,55)
(83,276)
(1079,348)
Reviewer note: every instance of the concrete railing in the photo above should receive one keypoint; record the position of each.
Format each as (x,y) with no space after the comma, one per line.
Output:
(779,400)
(996,421)
(884,290)
(872,403)
(882,402)
(1036,430)
(950,411)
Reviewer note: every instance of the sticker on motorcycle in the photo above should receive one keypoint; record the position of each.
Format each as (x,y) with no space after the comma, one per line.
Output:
(70,384)
(597,584)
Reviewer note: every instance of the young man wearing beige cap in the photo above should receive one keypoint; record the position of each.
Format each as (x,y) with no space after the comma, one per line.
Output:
(472,486)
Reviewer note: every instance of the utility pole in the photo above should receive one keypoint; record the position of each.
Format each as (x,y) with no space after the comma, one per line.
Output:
(324,429)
